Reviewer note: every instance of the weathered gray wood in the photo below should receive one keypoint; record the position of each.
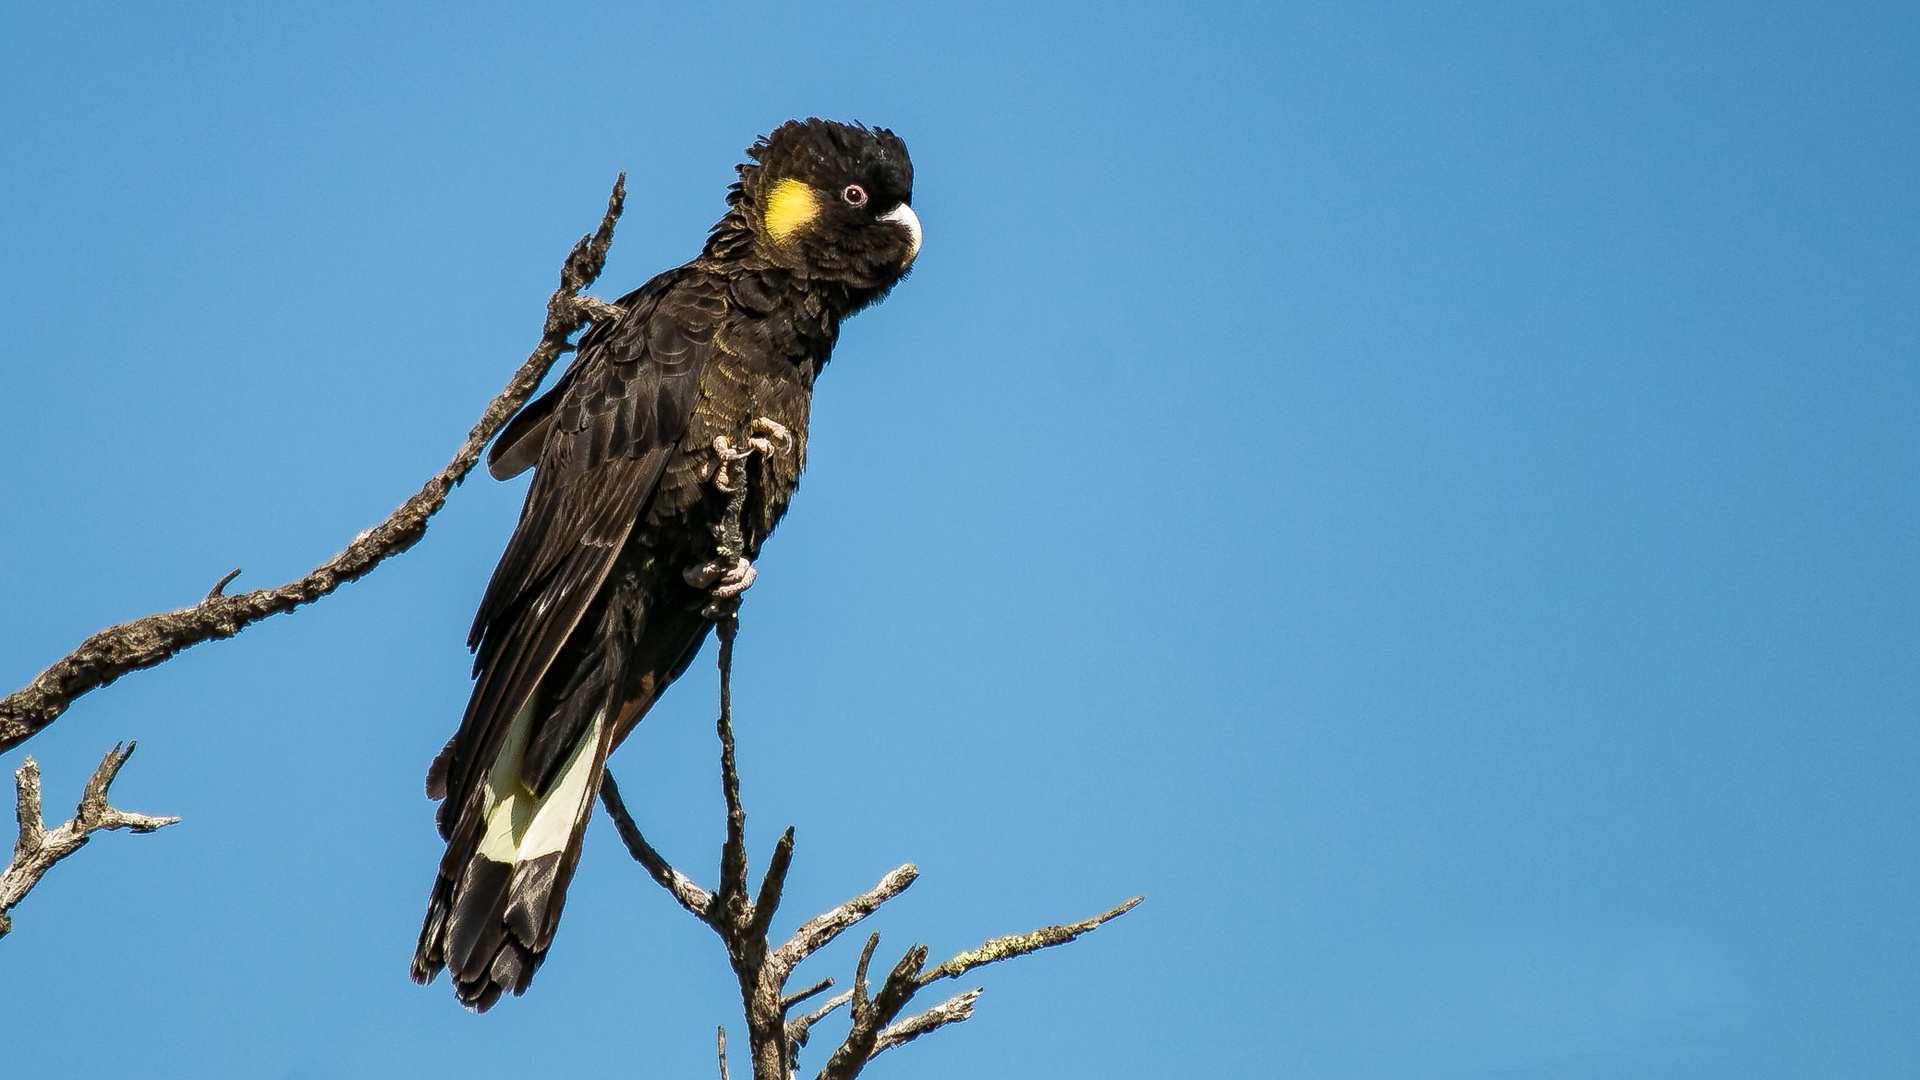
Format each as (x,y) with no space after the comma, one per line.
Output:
(144,643)
(762,969)
(38,847)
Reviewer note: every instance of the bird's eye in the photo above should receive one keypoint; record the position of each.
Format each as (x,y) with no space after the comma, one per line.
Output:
(855,195)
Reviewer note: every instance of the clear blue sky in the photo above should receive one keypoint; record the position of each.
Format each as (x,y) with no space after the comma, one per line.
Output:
(1427,495)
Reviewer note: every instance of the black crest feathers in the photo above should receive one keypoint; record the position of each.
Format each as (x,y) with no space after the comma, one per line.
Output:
(820,151)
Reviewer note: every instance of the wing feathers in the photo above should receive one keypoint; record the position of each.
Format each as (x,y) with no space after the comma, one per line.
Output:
(518,447)
(516,656)
(519,778)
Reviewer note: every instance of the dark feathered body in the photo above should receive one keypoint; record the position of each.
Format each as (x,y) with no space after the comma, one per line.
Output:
(589,615)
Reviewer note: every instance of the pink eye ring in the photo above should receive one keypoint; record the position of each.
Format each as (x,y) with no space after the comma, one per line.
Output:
(855,195)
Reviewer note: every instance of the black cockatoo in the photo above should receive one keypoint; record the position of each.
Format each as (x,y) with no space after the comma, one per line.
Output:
(597,604)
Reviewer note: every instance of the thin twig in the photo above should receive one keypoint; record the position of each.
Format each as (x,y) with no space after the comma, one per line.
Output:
(768,901)
(798,1027)
(1006,948)
(762,971)
(873,1014)
(39,848)
(820,930)
(820,987)
(740,924)
(874,1030)
(733,853)
(143,643)
(220,587)
(691,896)
(723,1055)
(951,1011)
(860,998)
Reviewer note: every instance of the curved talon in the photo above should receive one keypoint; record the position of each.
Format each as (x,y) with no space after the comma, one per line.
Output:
(774,436)
(722,472)
(725,581)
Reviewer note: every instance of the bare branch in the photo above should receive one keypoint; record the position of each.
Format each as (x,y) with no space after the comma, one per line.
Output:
(873,1030)
(860,998)
(799,1027)
(951,1011)
(723,1055)
(822,929)
(826,1008)
(871,1016)
(733,854)
(220,587)
(143,643)
(768,901)
(901,984)
(1006,948)
(820,987)
(691,896)
(38,848)
(743,924)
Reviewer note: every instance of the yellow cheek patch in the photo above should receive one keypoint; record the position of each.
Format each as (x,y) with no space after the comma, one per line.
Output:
(790,206)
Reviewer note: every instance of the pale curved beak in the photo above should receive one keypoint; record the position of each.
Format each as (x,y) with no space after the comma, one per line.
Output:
(904,215)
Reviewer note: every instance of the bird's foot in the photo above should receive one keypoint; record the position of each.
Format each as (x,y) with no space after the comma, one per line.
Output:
(725,578)
(724,583)
(765,437)
(769,437)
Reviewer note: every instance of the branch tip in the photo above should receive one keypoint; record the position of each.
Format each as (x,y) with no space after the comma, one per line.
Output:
(771,885)
(791,1000)
(951,1011)
(1006,948)
(220,587)
(39,848)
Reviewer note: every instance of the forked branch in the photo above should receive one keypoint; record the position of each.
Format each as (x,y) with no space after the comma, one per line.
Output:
(38,847)
(874,1029)
(763,969)
(143,643)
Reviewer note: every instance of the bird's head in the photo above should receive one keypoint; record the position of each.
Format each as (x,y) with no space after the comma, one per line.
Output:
(832,202)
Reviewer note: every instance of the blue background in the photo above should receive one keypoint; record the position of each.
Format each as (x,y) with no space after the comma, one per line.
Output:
(1425,494)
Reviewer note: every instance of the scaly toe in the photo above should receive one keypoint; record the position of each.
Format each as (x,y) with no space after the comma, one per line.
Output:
(775,435)
(735,581)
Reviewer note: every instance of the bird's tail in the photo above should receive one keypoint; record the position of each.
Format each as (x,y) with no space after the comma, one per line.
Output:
(509,859)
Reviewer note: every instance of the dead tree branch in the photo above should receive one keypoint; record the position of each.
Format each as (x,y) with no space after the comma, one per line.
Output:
(743,924)
(143,643)
(39,848)
(695,899)
(763,969)
(874,1029)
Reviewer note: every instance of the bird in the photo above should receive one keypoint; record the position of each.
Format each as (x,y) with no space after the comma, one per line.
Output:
(609,585)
